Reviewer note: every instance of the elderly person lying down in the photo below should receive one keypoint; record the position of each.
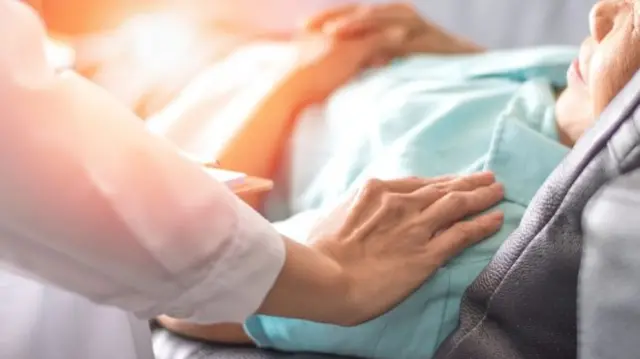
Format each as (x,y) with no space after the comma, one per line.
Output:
(516,113)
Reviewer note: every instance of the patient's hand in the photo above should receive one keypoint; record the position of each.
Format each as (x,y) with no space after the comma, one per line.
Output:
(400,20)
(324,63)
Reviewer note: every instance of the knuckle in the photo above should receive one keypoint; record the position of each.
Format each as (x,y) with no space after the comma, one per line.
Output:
(456,199)
(373,187)
(460,183)
(416,231)
(441,187)
(438,190)
(428,194)
(394,205)
(392,201)
(464,231)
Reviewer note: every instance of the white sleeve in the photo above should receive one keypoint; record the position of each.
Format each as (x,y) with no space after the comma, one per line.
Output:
(93,203)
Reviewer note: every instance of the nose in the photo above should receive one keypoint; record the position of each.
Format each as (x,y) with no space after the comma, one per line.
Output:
(602,17)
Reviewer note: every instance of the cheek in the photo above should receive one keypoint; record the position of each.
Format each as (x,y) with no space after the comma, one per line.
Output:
(609,71)
(603,82)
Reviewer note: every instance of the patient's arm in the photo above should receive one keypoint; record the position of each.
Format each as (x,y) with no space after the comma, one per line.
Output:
(318,66)
(257,146)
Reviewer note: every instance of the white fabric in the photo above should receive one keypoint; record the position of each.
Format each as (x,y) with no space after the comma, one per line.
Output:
(91,202)
(493,23)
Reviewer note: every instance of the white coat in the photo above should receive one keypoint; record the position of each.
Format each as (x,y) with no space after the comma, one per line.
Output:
(102,225)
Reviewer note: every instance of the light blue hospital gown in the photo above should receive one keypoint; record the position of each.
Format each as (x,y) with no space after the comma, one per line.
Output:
(429,116)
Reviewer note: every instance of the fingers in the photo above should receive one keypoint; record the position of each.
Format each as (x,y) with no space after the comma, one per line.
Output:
(427,195)
(369,197)
(464,234)
(443,200)
(456,205)
(412,184)
(316,23)
(377,17)
(467,183)
(355,19)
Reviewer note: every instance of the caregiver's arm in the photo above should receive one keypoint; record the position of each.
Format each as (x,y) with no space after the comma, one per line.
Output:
(93,203)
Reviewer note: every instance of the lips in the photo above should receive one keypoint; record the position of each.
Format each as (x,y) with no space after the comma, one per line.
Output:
(576,66)
(574,74)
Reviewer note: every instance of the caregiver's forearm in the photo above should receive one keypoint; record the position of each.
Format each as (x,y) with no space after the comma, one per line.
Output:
(310,286)
(95,204)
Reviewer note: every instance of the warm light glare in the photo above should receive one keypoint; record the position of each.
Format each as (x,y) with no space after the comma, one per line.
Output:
(59,55)
(159,41)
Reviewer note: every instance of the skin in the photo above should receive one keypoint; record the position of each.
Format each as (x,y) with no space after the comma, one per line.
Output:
(608,59)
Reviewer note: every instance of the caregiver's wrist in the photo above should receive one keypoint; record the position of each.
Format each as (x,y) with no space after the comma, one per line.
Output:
(311,286)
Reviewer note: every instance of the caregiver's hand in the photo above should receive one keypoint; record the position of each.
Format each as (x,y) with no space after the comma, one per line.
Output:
(396,19)
(397,233)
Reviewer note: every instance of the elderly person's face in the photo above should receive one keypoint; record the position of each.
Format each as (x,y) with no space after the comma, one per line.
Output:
(608,59)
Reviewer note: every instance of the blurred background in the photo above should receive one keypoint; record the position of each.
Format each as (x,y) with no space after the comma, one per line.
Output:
(113,41)
(493,23)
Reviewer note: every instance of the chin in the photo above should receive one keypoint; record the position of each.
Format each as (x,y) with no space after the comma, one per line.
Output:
(574,114)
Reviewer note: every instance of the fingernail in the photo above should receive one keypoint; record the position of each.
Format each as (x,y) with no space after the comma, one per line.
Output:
(499,187)
(497,216)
